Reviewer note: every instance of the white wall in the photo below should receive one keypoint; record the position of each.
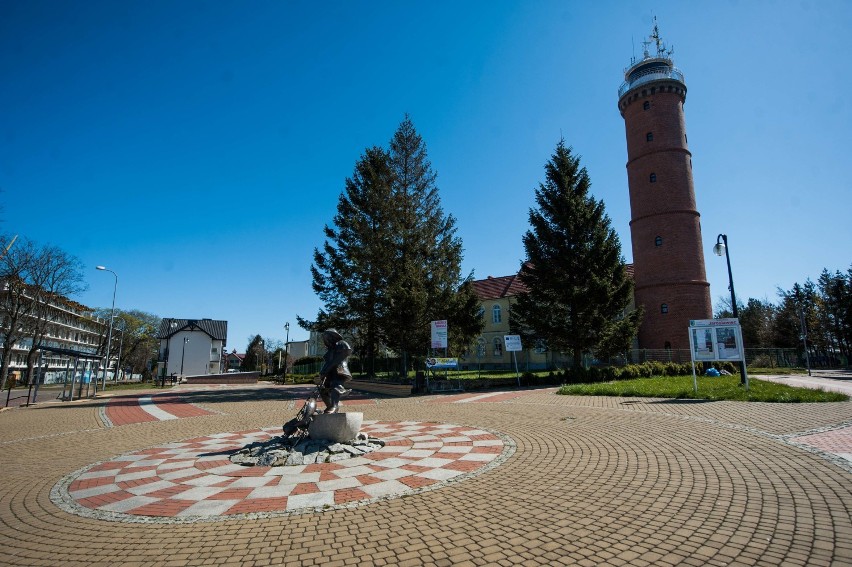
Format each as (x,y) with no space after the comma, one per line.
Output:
(197,356)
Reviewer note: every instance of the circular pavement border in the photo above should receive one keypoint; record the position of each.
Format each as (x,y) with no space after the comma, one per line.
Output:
(193,480)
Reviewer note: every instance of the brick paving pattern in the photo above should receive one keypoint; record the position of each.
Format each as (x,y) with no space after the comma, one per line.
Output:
(194,479)
(591,481)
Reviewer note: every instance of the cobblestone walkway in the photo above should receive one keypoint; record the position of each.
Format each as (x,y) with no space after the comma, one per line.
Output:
(570,481)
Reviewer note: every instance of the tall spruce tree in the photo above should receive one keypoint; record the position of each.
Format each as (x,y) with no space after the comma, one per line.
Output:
(350,273)
(391,263)
(426,283)
(578,287)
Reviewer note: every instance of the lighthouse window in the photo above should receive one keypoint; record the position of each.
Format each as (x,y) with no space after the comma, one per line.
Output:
(664,308)
(658,241)
(649,137)
(646,105)
(653,178)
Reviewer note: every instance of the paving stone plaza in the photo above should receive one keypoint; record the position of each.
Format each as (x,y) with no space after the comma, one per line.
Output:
(521,477)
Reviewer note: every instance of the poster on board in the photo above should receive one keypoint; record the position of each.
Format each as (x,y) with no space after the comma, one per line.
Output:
(715,339)
(439,334)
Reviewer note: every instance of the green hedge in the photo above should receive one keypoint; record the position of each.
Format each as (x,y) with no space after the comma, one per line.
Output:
(644,370)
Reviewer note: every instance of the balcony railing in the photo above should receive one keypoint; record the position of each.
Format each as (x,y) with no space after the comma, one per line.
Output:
(652,74)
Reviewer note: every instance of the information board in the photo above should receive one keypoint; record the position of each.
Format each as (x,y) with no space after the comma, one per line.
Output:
(439,334)
(715,339)
(513,343)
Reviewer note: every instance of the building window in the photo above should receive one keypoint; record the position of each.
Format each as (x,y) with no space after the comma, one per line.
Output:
(498,346)
(646,105)
(540,346)
(649,137)
(496,314)
(668,346)
(658,241)
(664,308)
(653,178)
(481,313)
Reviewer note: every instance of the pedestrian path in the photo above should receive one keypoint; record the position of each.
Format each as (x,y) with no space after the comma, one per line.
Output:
(182,403)
(827,382)
(142,408)
(837,442)
(194,480)
(480,478)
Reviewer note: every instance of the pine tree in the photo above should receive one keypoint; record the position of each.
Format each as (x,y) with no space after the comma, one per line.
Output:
(578,287)
(350,274)
(426,283)
(253,360)
(391,263)
(835,313)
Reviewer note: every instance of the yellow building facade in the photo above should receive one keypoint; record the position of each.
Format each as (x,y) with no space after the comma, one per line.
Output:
(496,296)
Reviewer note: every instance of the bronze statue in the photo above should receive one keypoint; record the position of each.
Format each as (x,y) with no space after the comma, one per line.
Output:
(334,373)
(333,376)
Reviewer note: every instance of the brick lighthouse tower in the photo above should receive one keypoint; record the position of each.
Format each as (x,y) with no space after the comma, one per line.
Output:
(668,257)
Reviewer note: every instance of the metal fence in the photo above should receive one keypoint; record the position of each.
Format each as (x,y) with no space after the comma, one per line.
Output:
(758,357)
(389,368)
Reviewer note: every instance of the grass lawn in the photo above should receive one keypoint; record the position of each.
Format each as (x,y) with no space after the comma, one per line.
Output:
(709,388)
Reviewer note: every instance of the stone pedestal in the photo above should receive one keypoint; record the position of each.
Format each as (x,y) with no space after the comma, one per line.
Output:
(338,427)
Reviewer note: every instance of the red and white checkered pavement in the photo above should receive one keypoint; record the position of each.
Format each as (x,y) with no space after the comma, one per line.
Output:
(193,480)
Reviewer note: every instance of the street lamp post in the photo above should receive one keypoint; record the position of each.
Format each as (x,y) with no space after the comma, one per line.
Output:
(804,329)
(722,246)
(182,352)
(286,350)
(111,318)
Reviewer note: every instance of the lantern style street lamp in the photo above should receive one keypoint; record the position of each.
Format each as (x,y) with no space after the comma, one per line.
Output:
(722,246)
(286,351)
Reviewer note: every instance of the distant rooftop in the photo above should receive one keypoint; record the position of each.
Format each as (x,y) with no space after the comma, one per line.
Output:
(507,286)
(216,329)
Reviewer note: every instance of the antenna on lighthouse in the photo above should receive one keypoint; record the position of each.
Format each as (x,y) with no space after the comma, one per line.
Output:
(662,51)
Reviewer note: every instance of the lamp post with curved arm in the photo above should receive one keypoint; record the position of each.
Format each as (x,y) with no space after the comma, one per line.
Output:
(111,318)
(722,246)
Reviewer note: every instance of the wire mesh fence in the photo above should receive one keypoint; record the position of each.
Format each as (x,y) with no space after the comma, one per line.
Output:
(390,368)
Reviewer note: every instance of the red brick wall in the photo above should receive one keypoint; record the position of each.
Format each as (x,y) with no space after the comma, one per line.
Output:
(671,273)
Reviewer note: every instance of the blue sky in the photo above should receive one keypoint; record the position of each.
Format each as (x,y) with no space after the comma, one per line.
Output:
(198,148)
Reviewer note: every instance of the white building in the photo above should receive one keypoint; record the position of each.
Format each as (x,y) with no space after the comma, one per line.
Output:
(191,347)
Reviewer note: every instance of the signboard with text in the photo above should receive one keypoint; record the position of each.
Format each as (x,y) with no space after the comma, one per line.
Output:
(513,343)
(442,362)
(439,334)
(715,339)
